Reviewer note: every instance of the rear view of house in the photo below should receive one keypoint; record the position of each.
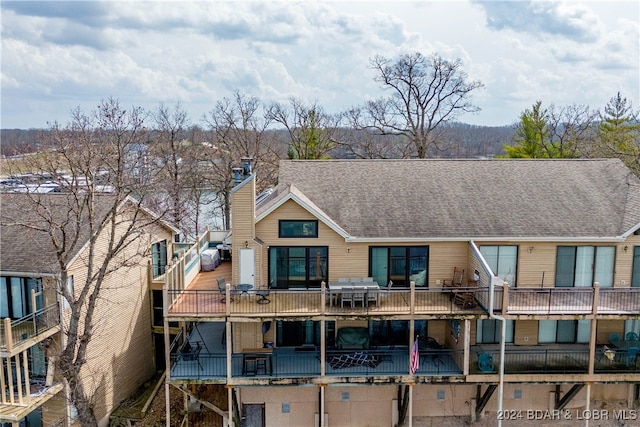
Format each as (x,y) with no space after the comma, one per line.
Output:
(370,292)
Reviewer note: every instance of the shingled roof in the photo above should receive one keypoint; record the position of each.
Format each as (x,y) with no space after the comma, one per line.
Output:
(25,250)
(467,199)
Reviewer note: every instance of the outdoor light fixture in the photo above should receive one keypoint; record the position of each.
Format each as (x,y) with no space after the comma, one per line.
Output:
(246,244)
(625,249)
(530,249)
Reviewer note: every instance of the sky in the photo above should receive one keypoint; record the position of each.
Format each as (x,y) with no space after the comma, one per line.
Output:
(57,56)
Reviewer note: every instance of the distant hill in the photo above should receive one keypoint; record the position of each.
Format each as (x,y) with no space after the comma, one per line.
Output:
(459,140)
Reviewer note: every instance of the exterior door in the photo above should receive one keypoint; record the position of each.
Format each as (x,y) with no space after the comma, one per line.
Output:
(248,266)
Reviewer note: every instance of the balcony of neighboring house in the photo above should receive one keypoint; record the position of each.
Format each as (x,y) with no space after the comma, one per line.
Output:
(16,335)
(202,358)
(27,383)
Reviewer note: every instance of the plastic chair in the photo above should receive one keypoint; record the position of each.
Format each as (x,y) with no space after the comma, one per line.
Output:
(631,336)
(485,362)
(614,338)
(632,355)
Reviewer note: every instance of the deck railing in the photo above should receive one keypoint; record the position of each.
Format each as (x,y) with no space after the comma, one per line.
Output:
(288,363)
(14,332)
(524,300)
(536,361)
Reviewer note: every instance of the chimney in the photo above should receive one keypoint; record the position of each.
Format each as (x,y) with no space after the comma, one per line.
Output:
(246,165)
(237,175)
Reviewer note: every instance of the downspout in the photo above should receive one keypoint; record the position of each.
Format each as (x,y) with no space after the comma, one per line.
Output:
(503,331)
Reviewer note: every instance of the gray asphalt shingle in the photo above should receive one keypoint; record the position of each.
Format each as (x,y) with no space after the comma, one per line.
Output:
(436,198)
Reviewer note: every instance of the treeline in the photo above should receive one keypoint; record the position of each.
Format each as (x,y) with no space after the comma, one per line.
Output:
(460,140)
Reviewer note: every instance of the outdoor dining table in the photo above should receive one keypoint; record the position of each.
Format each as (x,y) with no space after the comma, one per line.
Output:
(335,288)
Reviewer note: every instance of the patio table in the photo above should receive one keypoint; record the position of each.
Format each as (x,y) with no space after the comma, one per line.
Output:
(335,288)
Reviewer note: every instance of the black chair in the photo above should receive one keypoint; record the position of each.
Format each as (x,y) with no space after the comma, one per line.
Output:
(222,287)
(190,353)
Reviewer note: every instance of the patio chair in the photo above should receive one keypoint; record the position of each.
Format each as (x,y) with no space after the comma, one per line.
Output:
(631,336)
(263,293)
(485,362)
(346,296)
(455,282)
(384,290)
(373,296)
(632,356)
(466,298)
(359,296)
(222,287)
(614,338)
(190,353)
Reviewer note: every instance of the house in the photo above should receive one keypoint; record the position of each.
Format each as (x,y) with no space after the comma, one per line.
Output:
(35,314)
(402,289)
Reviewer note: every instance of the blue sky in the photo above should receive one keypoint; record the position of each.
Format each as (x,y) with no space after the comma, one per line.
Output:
(57,55)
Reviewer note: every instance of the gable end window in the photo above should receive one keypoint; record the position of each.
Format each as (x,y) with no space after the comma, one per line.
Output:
(297,228)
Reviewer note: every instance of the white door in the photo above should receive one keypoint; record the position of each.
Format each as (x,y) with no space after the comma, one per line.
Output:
(248,266)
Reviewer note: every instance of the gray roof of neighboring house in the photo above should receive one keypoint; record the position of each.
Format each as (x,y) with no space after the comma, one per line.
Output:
(24,249)
(464,199)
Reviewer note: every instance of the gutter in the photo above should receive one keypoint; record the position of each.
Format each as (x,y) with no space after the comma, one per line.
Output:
(503,328)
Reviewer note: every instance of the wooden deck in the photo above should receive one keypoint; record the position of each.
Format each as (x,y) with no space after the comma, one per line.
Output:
(202,299)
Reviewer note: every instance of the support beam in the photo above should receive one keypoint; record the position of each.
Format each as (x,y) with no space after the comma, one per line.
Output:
(484,399)
(209,405)
(403,404)
(573,391)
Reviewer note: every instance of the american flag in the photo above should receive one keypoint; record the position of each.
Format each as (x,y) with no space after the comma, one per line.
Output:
(415,358)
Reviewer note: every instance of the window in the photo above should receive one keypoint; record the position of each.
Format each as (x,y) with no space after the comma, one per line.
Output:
(401,264)
(488,331)
(297,266)
(159,257)
(15,296)
(502,260)
(564,331)
(295,334)
(581,266)
(297,228)
(635,275)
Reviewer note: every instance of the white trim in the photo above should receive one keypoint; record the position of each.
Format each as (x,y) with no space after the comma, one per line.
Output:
(617,239)
(308,207)
(631,231)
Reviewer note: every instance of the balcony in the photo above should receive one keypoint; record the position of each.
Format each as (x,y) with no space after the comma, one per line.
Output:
(555,359)
(303,364)
(550,301)
(201,300)
(18,334)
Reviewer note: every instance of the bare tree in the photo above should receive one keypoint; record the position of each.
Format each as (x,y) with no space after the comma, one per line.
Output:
(570,129)
(311,130)
(425,93)
(89,156)
(175,152)
(239,129)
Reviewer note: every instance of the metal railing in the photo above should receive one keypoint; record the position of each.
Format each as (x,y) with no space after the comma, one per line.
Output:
(536,361)
(288,363)
(29,326)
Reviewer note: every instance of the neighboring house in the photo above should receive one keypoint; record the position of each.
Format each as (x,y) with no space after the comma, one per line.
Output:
(453,247)
(34,316)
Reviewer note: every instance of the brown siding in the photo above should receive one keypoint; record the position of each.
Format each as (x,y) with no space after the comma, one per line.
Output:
(120,355)
(525,330)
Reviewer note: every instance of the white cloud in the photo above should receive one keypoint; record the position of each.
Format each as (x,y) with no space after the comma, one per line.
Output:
(66,55)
